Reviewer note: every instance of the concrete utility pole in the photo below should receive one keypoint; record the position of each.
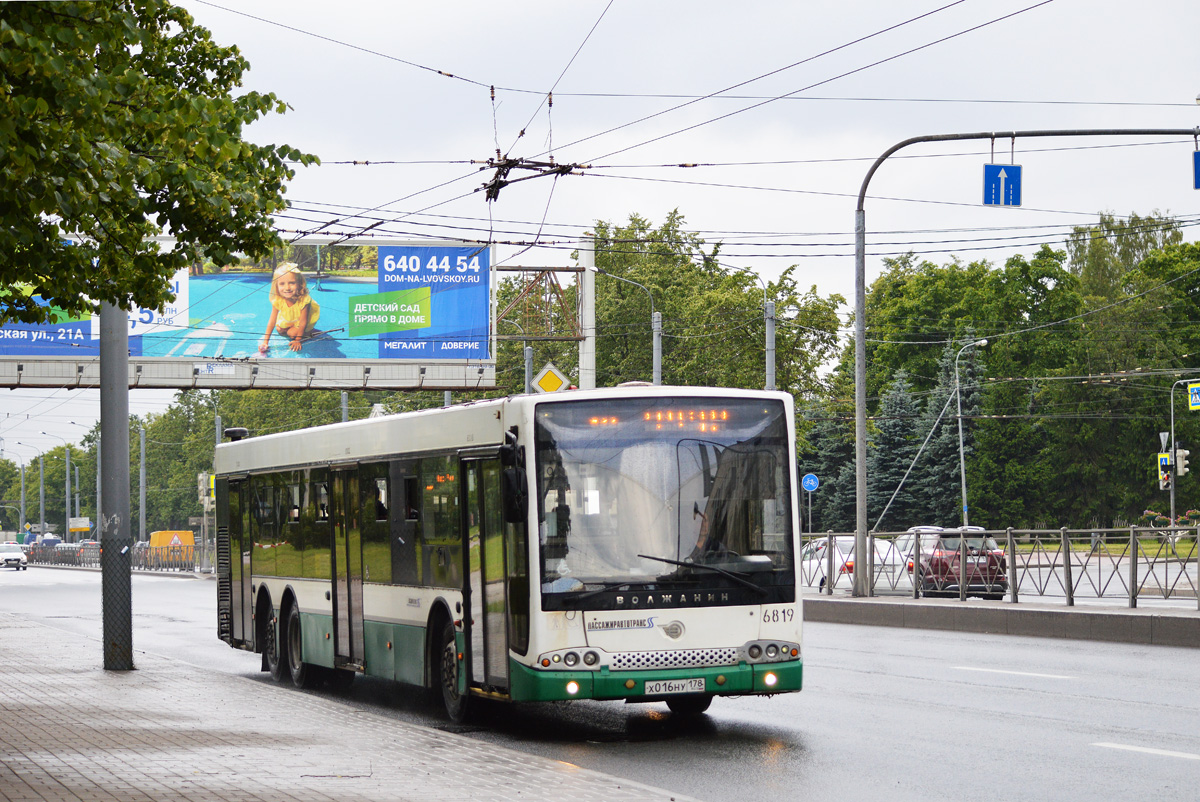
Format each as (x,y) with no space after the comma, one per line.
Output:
(862,583)
(587,314)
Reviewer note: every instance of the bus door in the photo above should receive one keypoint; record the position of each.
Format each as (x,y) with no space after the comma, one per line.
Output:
(234,604)
(483,555)
(346,554)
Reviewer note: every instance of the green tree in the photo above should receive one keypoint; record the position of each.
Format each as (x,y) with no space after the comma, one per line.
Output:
(118,123)
(892,450)
(1101,255)
(936,476)
(713,316)
(826,448)
(10,495)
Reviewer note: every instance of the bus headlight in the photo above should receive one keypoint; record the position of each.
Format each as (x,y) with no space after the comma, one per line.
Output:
(769,679)
(591,658)
(573,687)
(570,659)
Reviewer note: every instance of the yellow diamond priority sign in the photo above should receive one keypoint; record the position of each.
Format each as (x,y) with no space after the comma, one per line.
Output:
(550,380)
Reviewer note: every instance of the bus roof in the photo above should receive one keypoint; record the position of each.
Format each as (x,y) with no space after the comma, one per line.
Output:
(473,424)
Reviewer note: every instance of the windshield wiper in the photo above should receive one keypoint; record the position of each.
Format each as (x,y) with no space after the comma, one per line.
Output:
(736,577)
(604,588)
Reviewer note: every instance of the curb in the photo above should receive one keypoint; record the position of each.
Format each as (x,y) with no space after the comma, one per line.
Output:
(1136,626)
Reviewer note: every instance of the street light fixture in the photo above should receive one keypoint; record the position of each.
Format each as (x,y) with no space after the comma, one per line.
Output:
(962,461)
(655,320)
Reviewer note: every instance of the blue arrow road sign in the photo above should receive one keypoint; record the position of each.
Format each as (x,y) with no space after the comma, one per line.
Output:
(1196,169)
(1001,185)
(810,482)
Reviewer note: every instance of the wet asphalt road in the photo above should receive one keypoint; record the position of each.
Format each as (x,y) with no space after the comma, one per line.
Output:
(885,714)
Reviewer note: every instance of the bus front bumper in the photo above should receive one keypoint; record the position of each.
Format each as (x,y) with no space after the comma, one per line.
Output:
(531,685)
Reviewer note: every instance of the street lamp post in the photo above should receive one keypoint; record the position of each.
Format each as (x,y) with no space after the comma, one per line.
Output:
(1175,456)
(67,488)
(962,460)
(655,321)
(41,488)
(861,581)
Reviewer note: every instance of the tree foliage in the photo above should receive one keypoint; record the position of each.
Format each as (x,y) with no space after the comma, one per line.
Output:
(118,123)
(713,314)
(1061,410)
(1102,255)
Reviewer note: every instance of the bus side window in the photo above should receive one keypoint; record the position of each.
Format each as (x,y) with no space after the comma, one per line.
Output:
(263,533)
(315,525)
(376,532)
(404,522)
(440,541)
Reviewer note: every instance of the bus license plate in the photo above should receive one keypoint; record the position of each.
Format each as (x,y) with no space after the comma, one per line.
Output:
(657,687)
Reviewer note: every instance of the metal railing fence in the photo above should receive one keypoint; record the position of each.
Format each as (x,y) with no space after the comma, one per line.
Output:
(86,554)
(1128,564)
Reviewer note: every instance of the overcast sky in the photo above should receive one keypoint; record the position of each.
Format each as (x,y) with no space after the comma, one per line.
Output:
(639,87)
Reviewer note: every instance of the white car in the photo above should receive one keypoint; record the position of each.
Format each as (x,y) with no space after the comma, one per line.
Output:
(814,561)
(12,556)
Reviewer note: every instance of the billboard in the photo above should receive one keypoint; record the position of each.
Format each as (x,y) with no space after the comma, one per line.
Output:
(313,314)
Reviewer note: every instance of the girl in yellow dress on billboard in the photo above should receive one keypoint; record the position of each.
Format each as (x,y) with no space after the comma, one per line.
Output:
(293,311)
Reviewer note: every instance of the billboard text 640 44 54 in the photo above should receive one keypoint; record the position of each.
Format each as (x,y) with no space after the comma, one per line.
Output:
(311,314)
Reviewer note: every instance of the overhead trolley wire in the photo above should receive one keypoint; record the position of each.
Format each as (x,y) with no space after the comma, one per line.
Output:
(872,65)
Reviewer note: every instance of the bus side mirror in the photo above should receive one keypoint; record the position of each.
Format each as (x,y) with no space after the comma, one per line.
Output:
(514,491)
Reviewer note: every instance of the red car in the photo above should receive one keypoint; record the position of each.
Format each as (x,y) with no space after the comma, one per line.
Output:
(964,555)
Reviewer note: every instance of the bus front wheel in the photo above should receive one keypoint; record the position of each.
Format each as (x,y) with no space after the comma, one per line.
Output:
(690,705)
(448,667)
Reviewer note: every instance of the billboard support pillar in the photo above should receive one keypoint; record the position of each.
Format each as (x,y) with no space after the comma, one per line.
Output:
(115,540)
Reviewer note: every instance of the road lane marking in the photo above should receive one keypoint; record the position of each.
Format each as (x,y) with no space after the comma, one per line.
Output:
(1012,673)
(1147,750)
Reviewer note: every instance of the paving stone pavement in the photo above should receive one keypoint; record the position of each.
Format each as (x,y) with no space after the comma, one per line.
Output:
(69,730)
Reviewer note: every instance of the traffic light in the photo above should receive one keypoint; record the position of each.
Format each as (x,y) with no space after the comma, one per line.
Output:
(1181,461)
(1164,470)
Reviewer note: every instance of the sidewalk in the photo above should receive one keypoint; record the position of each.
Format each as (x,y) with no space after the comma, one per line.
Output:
(169,731)
(1156,626)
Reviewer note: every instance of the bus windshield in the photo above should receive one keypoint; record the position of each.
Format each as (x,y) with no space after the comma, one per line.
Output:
(646,493)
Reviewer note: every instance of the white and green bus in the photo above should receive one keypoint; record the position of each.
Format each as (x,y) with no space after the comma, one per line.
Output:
(633,543)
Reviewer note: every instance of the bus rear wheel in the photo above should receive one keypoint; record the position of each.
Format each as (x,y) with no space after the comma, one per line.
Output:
(689,705)
(455,702)
(302,673)
(270,641)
